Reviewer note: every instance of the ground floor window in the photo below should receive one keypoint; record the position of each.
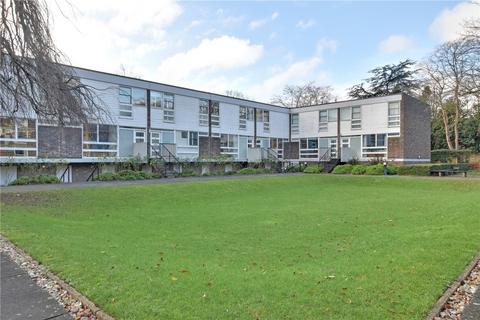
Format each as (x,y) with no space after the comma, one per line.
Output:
(229,144)
(18,138)
(309,148)
(99,140)
(374,145)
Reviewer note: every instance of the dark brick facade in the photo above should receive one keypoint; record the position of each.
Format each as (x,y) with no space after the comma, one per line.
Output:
(415,128)
(59,142)
(203,151)
(395,150)
(291,150)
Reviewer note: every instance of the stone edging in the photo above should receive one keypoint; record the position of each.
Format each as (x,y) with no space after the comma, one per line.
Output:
(435,313)
(77,304)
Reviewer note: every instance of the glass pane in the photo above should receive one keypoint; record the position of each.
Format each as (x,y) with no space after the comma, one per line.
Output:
(156,99)
(380,140)
(332,115)
(168,99)
(312,143)
(107,133)
(167,137)
(90,132)
(139,97)
(7,128)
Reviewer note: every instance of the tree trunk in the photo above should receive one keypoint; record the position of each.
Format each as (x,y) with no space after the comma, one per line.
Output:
(447,130)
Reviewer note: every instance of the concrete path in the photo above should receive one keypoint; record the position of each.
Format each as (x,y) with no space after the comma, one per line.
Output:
(97,184)
(22,299)
(472,310)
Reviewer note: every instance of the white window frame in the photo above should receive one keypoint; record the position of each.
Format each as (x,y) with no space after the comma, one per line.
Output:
(19,151)
(356,122)
(112,152)
(125,108)
(393,119)
(322,124)
(295,127)
(168,108)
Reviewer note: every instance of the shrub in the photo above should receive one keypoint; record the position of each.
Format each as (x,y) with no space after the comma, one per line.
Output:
(313,169)
(343,169)
(293,169)
(126,175)
(375,170)
(254,171)
(415,170)
(106,176)
(449,156)
(37,179)
(229,173)
(359,169)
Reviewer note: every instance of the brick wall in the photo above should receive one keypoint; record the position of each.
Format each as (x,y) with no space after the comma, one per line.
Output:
(416,128)
(59,142)
(291,150)
(203,147)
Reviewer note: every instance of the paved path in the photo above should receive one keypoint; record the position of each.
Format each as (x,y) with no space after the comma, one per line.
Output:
(21,298)
(472,310)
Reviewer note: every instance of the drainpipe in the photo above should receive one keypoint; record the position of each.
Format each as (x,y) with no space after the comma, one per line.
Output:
(289,127)
(339,146)
(210,109)
(254,145)
(149,119)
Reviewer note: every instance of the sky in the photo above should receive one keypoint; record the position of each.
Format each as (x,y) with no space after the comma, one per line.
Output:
(253,47)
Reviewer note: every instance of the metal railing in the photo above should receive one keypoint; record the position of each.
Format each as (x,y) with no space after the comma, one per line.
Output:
(65,177)
(327,156)
(271,154)
(164,153)
(96,170)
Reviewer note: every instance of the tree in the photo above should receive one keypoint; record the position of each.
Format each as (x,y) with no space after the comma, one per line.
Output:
(388,79)
(33,76)
(452,74)
(294,96)
(235,94)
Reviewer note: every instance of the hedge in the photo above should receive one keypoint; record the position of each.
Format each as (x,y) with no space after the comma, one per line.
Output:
(313,169)
(446,155)
(126,175)
(343,169)
(425,169)
(37,179)
(253,171)
(359,169)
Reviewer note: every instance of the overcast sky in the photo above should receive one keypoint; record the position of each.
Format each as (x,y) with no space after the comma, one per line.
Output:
(252,47)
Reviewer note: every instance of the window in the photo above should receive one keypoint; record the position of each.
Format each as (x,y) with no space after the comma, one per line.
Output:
(203,113)
(99,140)
(277,145)
(332,115)
(168,107)
(192,138)
(259,115)
(250,112)
(374,145)
(215,116)
(309,148)
(139,97)
(125,99)
(356,122)
(266,121)
(242,119)
(139,136)
(345,142)
(168,137)
(294,123)
(18,138)
(345,114)
(394,114)
(155,138)
(229,144)
(184,134)
(323,121)
(156,99)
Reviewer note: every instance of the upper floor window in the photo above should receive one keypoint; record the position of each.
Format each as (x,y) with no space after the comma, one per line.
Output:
(394,114)
(345,114)
(356,122)
(323,120)
(139,97)
(203,115)
(215,117)
(156,99)
(294,123)
(266,120)
(242,119)
(332,115)
(168,107)
(125,99)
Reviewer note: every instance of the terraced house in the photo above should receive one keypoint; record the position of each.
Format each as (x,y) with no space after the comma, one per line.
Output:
(154,120)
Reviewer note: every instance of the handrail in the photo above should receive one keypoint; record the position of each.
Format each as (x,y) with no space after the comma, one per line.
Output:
(327,156)
(95,169)
(170,154)
(62,177)
(271,154)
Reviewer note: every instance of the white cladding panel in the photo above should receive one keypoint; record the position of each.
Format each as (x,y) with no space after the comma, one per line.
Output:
(229,115)
(308,124)
(278,125)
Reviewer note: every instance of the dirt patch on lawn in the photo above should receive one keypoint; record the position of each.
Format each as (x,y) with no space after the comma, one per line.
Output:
(43,199)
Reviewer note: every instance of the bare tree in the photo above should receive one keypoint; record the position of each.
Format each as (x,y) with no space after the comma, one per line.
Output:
(294,96)
(236,94)
(387,79)
(452,73)
(34,78)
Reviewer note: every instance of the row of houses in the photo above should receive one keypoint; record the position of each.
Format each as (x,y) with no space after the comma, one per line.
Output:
(149,119)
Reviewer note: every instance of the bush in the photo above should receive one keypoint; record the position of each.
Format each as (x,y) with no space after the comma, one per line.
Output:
(254,171)
(375,170)
(38,179)
(126,175)
(449,156)
(107,176)
(313,169)
(415,170)
(293,169)
(187,173)
(359,169)
(343,169)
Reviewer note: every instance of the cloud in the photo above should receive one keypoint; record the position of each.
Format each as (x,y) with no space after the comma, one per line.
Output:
(105,34)
(449,24)
(222,53)
(396,43)
(305,24)
(254,24)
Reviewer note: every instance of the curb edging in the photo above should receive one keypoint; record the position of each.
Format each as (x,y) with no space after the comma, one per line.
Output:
(438,307)
(96,311)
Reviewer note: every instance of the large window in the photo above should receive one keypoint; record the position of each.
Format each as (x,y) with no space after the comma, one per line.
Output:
(156,99)
(332,115)
(374,145)
(18,138)
(215,114)
(139,97)
(323,121)
(168,107)
(356,122)
(295,123)
(193,138)
(277,145)
(242,119)
(229,144)
(309,148)
(99,140)
(266,121)
(394,114)
(125,99)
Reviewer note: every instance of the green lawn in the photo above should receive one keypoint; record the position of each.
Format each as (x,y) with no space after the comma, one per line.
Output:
(298,247)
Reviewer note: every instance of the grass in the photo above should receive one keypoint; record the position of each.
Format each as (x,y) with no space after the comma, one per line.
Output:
(298,247)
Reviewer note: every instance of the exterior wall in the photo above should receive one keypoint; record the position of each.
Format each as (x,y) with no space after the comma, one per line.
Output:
(416,130)
(58,142)
(7,174)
